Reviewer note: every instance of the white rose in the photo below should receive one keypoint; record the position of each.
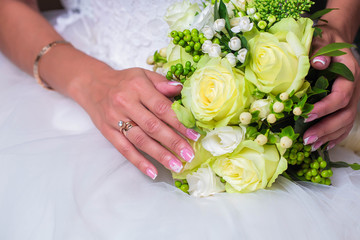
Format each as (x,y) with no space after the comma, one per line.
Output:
(181,15)
(223,140)
(205,17)
(263,106)
(219,25)
(206,46)
(231,58)
(242,55)
(214,50)
(244,25)
(235,43)
(208,32)
(230,9)
(204,182)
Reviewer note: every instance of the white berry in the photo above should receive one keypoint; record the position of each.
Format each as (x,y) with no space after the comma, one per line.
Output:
(261,139)
(245,118)
(278,107)
(162,52)
(286,142)
(284,96)
(297,111)
(150,60)
(271,118)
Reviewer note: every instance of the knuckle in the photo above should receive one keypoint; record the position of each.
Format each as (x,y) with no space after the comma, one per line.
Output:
(124,149)
(164,157)
(152,125)
(119,99)
(161,107)
(177,143)
(139,140)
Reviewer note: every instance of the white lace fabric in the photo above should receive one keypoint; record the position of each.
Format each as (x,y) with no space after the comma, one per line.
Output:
(113,31)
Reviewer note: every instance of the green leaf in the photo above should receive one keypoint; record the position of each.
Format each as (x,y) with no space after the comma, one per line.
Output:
(317,32)
(354,166)
(321,13)
(342,70)
(216,11)
(288,105)
(333,47)
(223,13)
(322,83)
(307,108)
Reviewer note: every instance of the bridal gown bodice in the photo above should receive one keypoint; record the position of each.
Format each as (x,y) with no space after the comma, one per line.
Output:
(60,179)
(121,33)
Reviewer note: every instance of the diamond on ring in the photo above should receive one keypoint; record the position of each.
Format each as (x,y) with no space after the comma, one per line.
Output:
(121,124)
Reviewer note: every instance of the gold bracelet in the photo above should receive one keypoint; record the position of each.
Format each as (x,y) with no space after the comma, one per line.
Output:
(43,51)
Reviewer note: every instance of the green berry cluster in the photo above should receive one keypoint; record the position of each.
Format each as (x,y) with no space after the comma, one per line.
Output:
(182,185)
(298,153)
(275,10)
(190,40)
(180,72)
(315,171)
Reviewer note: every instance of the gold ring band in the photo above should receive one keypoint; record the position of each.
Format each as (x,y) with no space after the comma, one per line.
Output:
(126,126)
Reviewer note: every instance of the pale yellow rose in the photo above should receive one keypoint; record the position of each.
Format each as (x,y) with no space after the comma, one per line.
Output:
(216,94)
(181,15)
(251,167)
(279,59)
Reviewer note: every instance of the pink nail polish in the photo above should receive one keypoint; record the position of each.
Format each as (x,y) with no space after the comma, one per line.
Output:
(175,165)
(330,146)
(192,134)
(320,59)
(151,173)
(175,83)
(311,117)
(187,155)
(310,140)
(316,146)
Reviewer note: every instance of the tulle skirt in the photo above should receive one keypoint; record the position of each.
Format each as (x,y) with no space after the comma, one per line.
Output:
(61,179)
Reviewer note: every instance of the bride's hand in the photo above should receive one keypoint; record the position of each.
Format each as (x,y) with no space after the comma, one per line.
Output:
(340,106)
(133,95)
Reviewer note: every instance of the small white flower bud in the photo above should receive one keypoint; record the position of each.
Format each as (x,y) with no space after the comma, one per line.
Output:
(219,25)
(214,50)
(206,46)
(245,118)
(261,139)
(162,52)
(234,43)
(242,55)
(271,118)
(284,96)
(150,60)
(250,11)
(286,142)
(231,58)
(297,111)
(257,16)
(208,32)
(278,107)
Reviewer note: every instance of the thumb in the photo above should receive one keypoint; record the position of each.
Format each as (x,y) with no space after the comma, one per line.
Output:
(166,87)
(319,62)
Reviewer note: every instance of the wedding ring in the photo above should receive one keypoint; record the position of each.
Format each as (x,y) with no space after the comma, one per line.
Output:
(126,126)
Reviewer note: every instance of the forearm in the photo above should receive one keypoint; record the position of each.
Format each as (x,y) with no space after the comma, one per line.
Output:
(346,19)
(24,32)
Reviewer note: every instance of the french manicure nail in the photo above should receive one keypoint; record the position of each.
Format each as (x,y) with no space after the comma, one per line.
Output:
(175,83)
(151,173)
(320,59)
(330,146)
(192,134)
(187,155)
(175,165)
(310,140)
(311,117)
(316,146)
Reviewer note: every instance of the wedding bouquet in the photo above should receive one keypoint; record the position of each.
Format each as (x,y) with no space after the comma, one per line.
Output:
(248,89)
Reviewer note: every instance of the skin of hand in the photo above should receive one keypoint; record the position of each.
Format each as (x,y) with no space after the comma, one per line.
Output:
(107,95)
(340,106)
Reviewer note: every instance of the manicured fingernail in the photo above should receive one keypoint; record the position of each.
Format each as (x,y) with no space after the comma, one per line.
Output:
(316,146)
(310,140)
(320,59)
(192,134)
(174,83)
(330,146)
(175,165)
(187,154)
(151,173)
(311,117)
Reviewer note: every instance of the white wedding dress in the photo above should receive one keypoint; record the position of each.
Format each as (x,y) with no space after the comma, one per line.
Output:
(61,179)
